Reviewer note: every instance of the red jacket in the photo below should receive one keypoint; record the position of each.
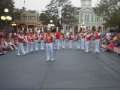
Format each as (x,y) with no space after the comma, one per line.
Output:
(57,34)
(49,38)
(97,35)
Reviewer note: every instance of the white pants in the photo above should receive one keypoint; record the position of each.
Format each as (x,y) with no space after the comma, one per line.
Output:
(87,45)
(49,51)
(78,44)
(58,43)
(70,43)
(31,46)
(63,43)
(42,45)
(97,45)
(82,44)
(36,45)
(20,50)
(27,48)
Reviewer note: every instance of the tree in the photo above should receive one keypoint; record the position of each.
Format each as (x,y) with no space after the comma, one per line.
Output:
(110,12)
(52,7)
(6,4)
(68,15)
(67,11)
(44,18)
(9,4)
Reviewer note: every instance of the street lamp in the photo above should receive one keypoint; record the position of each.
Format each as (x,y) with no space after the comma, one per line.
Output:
(50,25)
(14,24)
(9,18)
(51,21)
(4,17)
(6,10)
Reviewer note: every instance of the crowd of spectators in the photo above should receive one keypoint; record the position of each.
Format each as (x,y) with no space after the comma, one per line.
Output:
(6,43)
(111,41)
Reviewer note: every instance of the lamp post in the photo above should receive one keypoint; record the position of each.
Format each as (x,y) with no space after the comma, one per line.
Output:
(50,25)
(6,17)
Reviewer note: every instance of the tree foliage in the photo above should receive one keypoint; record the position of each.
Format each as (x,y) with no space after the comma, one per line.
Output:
(44,18)
(67,11)
(6,4)
(68,15)
(110,11)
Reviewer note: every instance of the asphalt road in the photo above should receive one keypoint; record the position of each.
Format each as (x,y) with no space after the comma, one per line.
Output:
(72,70)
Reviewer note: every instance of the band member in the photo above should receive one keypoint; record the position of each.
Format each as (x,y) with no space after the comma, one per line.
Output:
(97,36)
(26,42)
(30,41)
(87,41)
(20,50)
(62,40)
(36,41)
(71,37)
(42,44)
(15,36)
(82,34)
(77,39)
(49,46)
(57,34)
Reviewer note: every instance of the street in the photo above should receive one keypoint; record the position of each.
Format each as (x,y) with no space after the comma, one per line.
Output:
(72,70)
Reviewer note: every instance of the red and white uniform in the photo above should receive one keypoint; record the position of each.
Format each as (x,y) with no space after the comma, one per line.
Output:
(71,37)
(15,39)
(88,37)
(41,36)
(82,35)
(76,37)
(97,35)
(49,38)
(36,37)
(57,34)
(29,38)
(21,39)
(97,42)
(62,37)
(26,39)
(32,37)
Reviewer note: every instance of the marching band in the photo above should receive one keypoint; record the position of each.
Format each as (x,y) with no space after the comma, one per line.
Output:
(33,41)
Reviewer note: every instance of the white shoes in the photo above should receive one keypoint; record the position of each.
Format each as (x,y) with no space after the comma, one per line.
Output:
(50,60)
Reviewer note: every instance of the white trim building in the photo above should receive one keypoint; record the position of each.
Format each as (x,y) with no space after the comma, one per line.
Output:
(87,16)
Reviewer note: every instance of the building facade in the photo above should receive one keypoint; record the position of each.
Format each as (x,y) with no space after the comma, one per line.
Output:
(87,17)
(28,19)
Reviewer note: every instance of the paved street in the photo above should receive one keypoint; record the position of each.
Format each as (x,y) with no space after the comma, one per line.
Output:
(72,70)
